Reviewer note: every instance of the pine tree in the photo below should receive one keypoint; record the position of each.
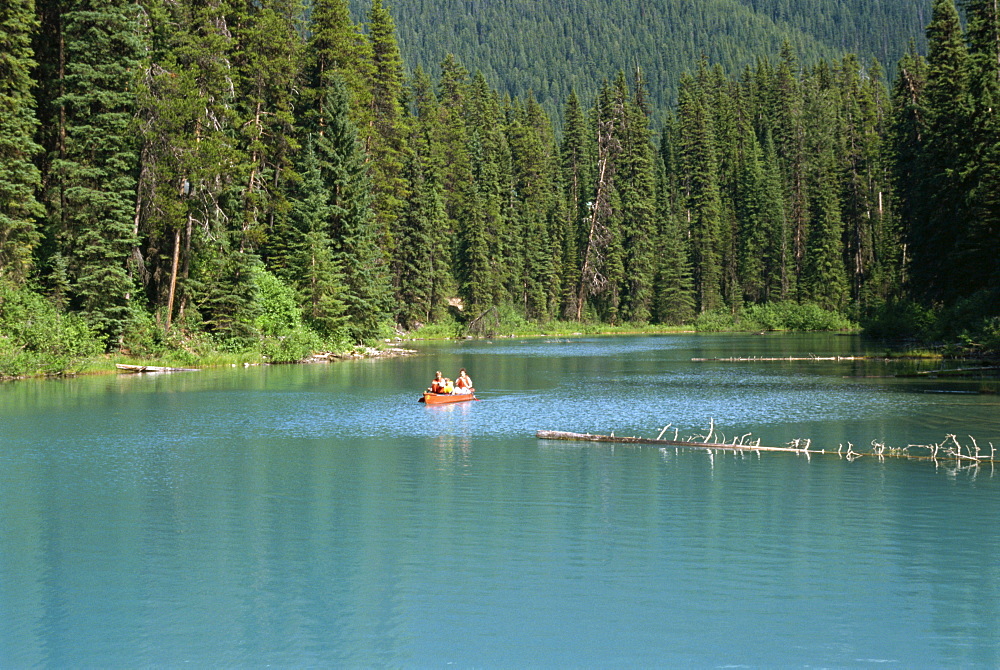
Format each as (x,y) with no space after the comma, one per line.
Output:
(576,176)
(976,247)
(386,139)
(789,137)
(19,178)
(338,48)
(674,293)
(907,140)
(317,275)
(423,261)
(637,186)
(187,124)
(824,278)
(699,183)
(269,65)
(939,211)
(352,228)
(92,174)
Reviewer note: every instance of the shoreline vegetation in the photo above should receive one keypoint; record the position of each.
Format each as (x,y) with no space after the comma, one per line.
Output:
(38,340)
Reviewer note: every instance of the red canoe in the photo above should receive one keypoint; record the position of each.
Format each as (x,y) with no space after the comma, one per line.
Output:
(442,398)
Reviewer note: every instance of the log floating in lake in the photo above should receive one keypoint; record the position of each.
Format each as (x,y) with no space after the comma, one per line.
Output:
(735,444)
(949,450)
(151,368)
(766,359)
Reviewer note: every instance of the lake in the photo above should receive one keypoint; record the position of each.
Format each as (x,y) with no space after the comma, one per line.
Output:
(317,515)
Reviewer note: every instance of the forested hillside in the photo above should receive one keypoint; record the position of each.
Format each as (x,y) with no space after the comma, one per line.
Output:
(551,47)
(245,175)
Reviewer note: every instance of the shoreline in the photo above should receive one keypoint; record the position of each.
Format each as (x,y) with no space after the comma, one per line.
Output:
(394,348)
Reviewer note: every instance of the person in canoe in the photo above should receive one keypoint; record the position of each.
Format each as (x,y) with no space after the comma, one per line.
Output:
(437,384)
(464,383)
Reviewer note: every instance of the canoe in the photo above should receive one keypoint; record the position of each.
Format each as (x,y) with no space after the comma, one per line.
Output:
(443,398)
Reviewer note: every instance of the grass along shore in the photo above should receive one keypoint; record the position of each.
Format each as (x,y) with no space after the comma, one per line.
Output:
(36,340)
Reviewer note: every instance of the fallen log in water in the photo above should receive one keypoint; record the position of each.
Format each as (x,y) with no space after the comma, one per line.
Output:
(950,450)
(151,368)
(766,359)
(953,372)
(735,445)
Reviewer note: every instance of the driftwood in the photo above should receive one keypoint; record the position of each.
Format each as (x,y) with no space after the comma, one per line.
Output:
(953,372)
(765,359)
(949,450)
(151,368)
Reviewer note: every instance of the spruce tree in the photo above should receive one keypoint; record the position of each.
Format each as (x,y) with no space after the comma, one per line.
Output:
(187,125)
(386,139)
(779,269)
(338,48)
(673,288)
(977,245)
(268,59)
(789,136)
(600,269)
(351,225)
(752,232)
(637,186)
(906,138)
(91,181)
(489,265)
(423,279)
(939,212)
(824,278)
(574,153)
(702,200)
(19,178)
(533,205)
(318,277)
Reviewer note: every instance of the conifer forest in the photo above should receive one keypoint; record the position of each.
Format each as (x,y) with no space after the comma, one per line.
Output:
(221,173)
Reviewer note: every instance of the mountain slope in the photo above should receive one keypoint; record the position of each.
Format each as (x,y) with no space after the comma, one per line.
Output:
(551,47)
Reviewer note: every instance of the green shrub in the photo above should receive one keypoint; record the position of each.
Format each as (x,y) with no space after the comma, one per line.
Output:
(786,315)
(898,319)
(36,338)
(990,335)
(715,321)
(291,347)
(274,310)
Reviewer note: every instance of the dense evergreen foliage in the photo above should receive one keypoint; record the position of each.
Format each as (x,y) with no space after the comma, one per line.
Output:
(248,175)
(551,48)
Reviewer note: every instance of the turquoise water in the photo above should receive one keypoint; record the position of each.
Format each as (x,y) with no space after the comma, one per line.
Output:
(319,516)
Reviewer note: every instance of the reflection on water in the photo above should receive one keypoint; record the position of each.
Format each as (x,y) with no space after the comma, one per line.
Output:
(319,515)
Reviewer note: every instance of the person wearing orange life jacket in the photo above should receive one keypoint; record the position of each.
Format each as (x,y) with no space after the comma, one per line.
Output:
(437,384)
(464,383)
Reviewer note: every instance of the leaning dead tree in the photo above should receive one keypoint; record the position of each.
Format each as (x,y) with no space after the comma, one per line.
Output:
(592,279)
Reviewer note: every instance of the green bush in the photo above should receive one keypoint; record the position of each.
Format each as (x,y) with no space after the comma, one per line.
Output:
(274,310)
(715,321)
(786,315)
(898,319)
(291,347)
(496,320)
(990,335)
(36,338)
